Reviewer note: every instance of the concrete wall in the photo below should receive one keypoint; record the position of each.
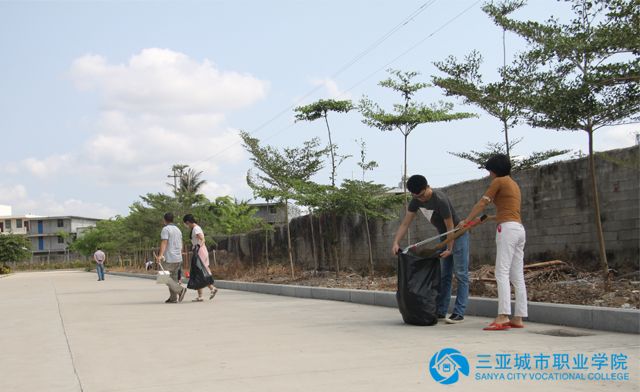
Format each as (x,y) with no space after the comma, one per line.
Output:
(557,211)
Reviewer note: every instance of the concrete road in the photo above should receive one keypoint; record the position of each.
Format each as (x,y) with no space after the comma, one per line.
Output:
(64,331)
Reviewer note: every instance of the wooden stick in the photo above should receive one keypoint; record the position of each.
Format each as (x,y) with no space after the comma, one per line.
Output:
(544,264)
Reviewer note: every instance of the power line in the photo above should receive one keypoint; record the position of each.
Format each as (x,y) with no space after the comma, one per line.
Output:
(448,22)
(410,48)
(346,66)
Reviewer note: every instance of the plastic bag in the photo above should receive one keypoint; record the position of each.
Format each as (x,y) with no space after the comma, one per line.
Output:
(418,285)
(199,275)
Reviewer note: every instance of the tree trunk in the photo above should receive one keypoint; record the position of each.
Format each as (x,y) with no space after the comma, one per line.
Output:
(266,248)
(250,251)
(404,185)
(366,224)
(506,139)
(286,217)
(604,265)
(333,158)
(323,253)
(334,242)
(313,242)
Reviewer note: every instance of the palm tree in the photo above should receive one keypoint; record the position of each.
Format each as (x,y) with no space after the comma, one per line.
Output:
(189,186)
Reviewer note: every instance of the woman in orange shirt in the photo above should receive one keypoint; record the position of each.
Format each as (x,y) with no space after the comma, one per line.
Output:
(504,192)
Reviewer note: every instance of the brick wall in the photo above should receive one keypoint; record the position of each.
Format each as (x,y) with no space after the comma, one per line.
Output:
(557,212)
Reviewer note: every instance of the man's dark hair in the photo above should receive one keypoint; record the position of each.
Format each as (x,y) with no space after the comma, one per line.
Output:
(416,183)
(168,217)
(189,219)
(499,164)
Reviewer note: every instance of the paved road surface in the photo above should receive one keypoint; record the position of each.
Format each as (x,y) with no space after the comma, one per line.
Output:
(64,331)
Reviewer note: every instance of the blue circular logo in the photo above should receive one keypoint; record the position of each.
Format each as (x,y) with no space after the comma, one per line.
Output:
(446,365)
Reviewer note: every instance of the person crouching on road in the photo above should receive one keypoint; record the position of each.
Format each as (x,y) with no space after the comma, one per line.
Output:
(170,257)
(504,192)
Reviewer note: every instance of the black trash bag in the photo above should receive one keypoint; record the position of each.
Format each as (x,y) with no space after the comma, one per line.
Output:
(199,276)
(418,285)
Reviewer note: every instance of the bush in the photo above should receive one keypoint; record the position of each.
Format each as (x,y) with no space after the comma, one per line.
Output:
(5,269)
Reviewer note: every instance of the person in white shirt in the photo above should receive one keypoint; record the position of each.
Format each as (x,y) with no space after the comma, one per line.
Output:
(99,258)
(199,278)
(170,257)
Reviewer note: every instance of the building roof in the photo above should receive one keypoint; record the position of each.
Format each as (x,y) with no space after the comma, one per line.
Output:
(38,217)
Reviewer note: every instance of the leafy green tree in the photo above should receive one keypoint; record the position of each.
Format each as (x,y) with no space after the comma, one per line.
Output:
(110,235)
(497,99)
(320,109)
(364,197)
(517,163)
(579,76)
(408,115)
(190,185)
(233,216)
(14,248)
(280,171)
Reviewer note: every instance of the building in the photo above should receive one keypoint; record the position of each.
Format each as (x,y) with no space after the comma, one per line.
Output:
(45,232)
(269,212)
(274,213)
(48,234)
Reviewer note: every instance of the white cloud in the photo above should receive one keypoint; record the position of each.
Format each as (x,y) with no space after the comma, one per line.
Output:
(331,88)
(159,108)
(163,81)
(46,204)
(616,137)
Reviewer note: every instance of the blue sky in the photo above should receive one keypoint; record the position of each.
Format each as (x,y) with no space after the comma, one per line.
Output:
(99,99)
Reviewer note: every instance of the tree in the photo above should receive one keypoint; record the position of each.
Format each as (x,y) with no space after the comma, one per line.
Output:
(579,76)
(369,199)
(190,182)
(320,109)
(280,171)
(110,235)
(517,163)
(177,170)
(406,116)
(233,216)
(14,248)
(497,99)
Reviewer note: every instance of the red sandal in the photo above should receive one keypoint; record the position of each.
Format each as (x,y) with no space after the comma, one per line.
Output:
(512,325)
(497,327)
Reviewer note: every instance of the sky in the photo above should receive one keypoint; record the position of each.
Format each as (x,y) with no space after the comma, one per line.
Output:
(99,99)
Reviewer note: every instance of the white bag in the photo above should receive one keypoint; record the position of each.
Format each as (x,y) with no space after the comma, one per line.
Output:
(163,276)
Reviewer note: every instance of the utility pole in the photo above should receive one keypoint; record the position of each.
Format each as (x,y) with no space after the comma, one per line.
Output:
(175,180)
(178,170)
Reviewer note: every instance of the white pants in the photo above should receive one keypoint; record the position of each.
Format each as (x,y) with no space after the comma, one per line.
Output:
(510,240)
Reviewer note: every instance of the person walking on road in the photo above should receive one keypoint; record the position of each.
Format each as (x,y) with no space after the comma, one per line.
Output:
(504,192)
(200,276)
(100,258)
(170,257)
(438,210)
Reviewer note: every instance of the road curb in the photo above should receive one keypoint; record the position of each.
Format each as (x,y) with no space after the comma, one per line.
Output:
(577,316)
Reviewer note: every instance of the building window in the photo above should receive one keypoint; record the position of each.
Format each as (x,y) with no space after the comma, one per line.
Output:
(60,240)
(18,223)
(273,209)
(60,223)
(7,224)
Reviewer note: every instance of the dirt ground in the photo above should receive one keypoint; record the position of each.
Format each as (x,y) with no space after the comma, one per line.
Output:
(557,284)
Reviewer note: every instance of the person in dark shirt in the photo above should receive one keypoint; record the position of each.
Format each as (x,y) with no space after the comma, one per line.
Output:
(437,208)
